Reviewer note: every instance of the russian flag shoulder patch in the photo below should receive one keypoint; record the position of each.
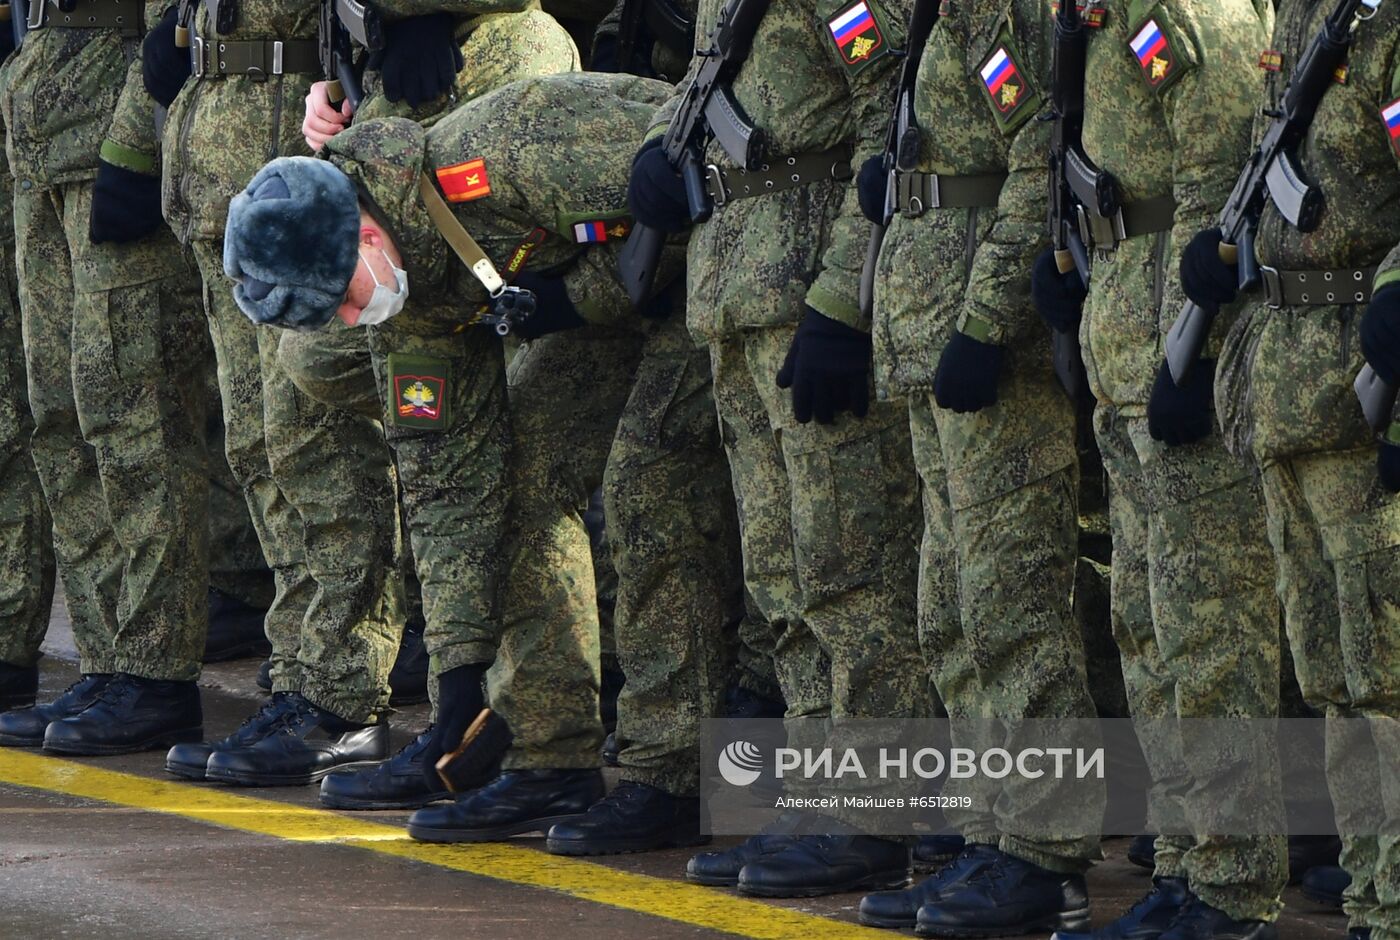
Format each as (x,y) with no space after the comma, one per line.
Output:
(1008,90)
(855,32)
(601,230)
(1390,114)
(1157,60)
(465,181)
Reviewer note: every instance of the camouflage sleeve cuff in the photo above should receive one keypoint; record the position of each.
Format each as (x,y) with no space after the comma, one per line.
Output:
(984,331)
(128,158)
(828,304)
(1386,278)
(460,654)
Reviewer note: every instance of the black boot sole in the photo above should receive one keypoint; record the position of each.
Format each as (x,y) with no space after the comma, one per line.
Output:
(879,881)
(341,802)
(713,881)
(490,833)
(166,739)
(282,780)
(12,740)
(888,923)
(1318,897)
(624,846)
(11,702)
(185,771)
(1068,921)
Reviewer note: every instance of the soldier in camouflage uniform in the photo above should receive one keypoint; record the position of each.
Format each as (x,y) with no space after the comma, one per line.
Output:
(773,293)
(26,546)
(114,357)
(559,393)
(994,440)
(1284,399)
(1194,614)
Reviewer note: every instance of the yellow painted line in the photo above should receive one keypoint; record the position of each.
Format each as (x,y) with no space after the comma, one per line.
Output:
(660,897)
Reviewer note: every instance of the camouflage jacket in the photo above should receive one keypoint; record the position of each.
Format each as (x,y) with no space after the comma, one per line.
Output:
(541,163)
(66,92)
(1349,152)
(221,130)
(819,76)
(1170,120)
(971,265)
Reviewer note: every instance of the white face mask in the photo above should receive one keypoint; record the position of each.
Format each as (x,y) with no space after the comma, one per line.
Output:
(385,302)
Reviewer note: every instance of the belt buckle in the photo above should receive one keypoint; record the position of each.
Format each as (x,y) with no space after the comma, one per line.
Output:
(277,57)
(1273,286)
(715,177)
(197,56)
(934,191)
(35,17)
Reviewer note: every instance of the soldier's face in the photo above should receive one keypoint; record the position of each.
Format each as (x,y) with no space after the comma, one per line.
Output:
(378,255)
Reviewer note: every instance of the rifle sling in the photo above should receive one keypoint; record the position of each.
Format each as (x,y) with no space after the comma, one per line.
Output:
(918,192)
(1316,288)
(255,57)
(726,185)
(459,239)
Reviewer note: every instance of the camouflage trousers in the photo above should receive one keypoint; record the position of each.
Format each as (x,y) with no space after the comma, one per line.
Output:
(1196,622)
(997,568)
(1283,391)
(236,564)
(26,546)
(321,491)
(243,354)
(828,522)
(115,355)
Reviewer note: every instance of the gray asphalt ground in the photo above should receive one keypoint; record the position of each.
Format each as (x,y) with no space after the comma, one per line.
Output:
(78,868)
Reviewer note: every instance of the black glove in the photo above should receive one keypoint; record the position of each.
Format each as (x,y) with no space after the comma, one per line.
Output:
(828,369)
(554,311)
(1380,333)
(164,66)
(461,697)
(967,376)
(125,204)
(1059,298)
(655,192)
(420,59)
(1388,465)
(870,188)
(1206,279)
(1179,415)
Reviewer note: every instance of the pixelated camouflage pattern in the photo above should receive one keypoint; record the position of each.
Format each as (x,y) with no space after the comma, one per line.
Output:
(1284,395)
(115,357)
(1179,615)
(756,262)
(26,546)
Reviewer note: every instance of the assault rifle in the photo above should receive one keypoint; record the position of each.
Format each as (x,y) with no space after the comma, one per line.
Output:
(1074,181)
(902,141)
(341,22)
(1272,173)
(707,110)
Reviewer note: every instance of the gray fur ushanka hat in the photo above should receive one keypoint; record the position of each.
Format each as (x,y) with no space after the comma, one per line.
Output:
(291,243)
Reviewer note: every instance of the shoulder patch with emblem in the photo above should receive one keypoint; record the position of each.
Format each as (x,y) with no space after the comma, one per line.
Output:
(1004,83)
(463,182)
(1155,55)
(857,35)
(601,230)
(1390,114)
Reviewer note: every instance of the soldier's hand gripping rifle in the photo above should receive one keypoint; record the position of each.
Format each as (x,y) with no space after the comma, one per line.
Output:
(902,141)
(1272,173)
(1074,181)
(341,22)
(707,110)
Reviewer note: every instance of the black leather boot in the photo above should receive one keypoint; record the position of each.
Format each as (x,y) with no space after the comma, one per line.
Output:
(1309,852)
(899,910)
(264,679)
(408,680)
(1325,884)
(25,727)
(18,686)
(303,745)
(827,864)
(935,851)
(1142,851)
(1008,897)
(517,801)
(722,869)
(235,629)
(130,714)
(1145,920)
(397,783)
(634,817)
(1199,921)
(191,760)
